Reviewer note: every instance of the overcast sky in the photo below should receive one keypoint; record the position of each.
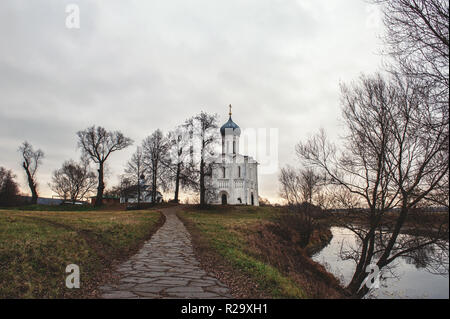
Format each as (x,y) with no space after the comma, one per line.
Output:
(136,66)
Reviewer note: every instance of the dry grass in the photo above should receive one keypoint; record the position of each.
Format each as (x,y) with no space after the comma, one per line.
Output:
(36,246)
(277,245)
(258,255)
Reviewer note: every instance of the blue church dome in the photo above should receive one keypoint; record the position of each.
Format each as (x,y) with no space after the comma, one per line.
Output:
(228,126)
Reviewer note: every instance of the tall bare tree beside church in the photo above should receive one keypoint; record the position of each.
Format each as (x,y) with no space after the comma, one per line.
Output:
(205,130)
(98,144)
(31,160)
(181,167)
(155,153)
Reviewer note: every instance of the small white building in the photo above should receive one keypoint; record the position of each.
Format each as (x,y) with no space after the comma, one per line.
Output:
(234,176)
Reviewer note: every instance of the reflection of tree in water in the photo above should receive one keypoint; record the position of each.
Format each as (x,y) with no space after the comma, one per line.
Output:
(420,257)
(352,251)
(433,258)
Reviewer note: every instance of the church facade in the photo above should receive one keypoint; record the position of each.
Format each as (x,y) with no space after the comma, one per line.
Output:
(234,176)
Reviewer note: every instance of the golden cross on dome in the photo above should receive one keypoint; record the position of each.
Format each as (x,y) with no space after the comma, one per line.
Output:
(230,110)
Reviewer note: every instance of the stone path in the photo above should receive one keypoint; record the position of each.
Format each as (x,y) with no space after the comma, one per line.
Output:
(166,267)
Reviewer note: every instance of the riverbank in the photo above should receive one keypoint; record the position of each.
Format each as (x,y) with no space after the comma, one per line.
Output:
(247,250)
(417,223)
(36,247)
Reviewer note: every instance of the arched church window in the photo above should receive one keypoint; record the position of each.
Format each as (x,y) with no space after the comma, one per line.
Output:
(223,172)
(234,147)
(239,171)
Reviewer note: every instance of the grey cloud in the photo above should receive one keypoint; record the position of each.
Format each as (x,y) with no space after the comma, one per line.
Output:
(140,65)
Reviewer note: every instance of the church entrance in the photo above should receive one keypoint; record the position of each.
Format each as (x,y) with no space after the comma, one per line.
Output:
(253,200)
(224,199)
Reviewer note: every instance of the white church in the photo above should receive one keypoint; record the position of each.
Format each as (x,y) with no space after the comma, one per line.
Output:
(234,176)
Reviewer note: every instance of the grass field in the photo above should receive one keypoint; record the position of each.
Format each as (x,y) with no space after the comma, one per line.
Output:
(36,246)
(240,242)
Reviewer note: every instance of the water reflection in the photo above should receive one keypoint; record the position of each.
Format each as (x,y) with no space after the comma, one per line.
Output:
(421,274)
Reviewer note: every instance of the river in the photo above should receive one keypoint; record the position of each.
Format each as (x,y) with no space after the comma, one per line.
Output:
(405,278)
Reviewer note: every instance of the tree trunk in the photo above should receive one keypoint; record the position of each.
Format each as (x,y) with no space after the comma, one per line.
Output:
(155,171)
(400,221)
(360,275)
(360,271)
(138,189)
(202,183)
(32,185)
(101,187)
(34,194)
(177,183)
(357,280)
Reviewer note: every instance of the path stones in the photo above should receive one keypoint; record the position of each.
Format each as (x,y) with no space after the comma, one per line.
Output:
(187,289)
(166,267)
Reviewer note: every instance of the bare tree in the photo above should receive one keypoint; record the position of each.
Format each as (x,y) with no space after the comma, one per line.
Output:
(98,144)
(342,198)
(9,190)
(309,184)
(204,127)
(417,159)
(136,170)
(296,188)
(31,161)
(298,185)
(418,38)
(390,160)
(73,180)
(210,188)
(404,164)
(290,185)
(155,151)
(181,167)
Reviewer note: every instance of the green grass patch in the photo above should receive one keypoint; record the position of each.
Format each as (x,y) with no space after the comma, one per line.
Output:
(36,247)
(226,230)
